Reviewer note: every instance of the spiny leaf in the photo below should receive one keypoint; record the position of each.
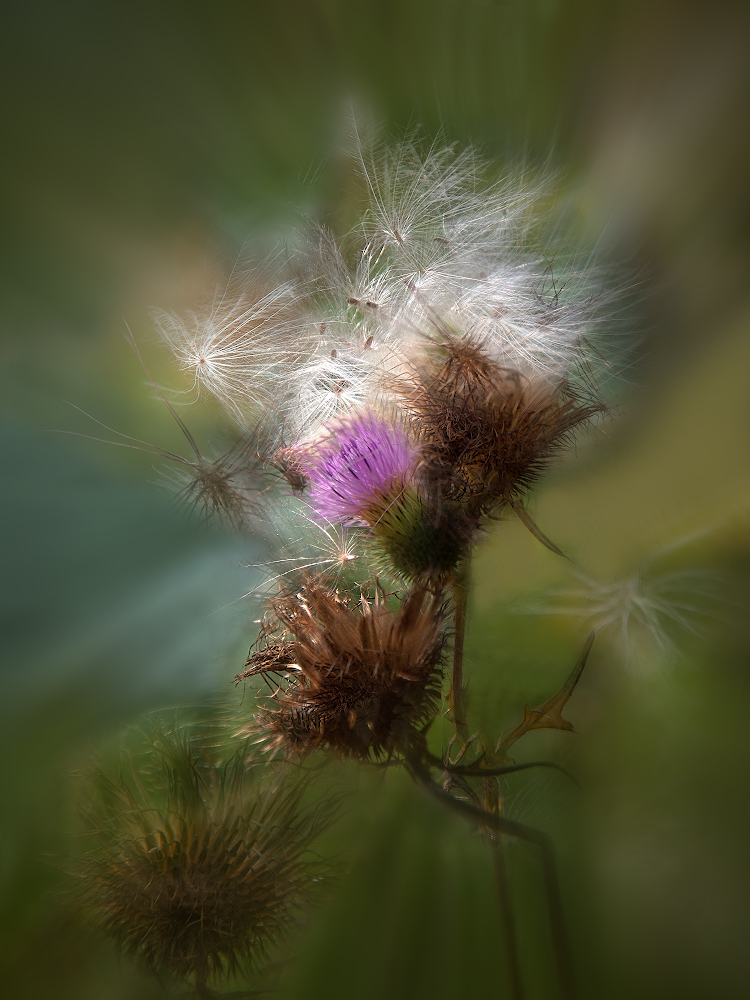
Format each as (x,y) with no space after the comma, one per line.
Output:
(548,715)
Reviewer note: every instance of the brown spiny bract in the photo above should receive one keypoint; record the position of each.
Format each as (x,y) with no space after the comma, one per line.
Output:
(288,462)
(226,487)
(353,677)
(195,871)
(487,431)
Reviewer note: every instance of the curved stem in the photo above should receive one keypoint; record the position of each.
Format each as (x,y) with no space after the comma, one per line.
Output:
(493,804)
(511,828)
(472,771)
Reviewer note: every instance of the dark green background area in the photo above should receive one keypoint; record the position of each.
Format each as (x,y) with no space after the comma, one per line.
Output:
(144,141)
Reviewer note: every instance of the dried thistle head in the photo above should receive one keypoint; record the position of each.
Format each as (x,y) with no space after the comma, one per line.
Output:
(352,677)
(288,461)
(196,869)
(226,488)
(487,431)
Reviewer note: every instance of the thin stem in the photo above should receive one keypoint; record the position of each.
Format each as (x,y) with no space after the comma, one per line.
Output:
(201,982)
(460,596)
(509,927)
(493,804)
(541,840)
(475,771)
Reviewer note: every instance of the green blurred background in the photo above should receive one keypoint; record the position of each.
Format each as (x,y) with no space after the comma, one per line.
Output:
(144,140)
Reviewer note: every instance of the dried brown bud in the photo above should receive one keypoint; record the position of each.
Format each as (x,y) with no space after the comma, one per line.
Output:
(488,431)
(354,677)
(195,867)
(287,460)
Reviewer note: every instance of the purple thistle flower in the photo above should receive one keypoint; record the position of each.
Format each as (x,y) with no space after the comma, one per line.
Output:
(363,462)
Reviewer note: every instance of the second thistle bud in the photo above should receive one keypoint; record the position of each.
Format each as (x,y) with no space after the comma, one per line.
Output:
(366,472)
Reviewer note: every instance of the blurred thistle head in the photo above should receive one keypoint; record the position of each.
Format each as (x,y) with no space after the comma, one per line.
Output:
(644,613)
(353,677)
(197,867)
(487,431)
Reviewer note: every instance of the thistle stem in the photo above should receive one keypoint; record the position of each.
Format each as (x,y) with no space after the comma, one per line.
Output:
(493,804)
(460,597)
(511,828)
(506,916)
(201,983)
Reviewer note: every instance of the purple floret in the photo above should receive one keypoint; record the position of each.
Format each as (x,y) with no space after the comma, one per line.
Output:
(361,462)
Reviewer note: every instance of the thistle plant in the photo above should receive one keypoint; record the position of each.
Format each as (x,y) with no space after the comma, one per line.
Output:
(400,389)
(198,865)
(357,679)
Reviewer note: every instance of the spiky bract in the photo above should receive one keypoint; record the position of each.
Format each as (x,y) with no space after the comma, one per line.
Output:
(487,431)
(196,870)
(354,677)
(423,536)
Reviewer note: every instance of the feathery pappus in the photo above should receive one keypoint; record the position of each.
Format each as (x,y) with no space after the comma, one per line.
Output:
(643,613)
(439,241)
(240,346)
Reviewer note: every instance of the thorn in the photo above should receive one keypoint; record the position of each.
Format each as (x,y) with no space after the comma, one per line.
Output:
(548,715)
(525,518)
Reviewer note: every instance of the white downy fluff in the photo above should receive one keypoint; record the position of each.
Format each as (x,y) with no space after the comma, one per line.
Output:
(440,247)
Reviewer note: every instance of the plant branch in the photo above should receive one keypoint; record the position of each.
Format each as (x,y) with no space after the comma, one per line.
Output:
(460,597)
(549,714)
(541,840)
(509,926)
(475,770)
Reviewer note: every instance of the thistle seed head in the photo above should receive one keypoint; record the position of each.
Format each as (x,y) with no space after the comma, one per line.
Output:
(226,488)
(196,871)
(352,677)
(487,431)
(240,346)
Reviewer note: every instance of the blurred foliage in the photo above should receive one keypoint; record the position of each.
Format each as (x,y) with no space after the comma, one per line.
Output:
(144,140)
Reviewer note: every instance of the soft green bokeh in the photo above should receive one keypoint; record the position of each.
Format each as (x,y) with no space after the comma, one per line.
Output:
(145,140)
